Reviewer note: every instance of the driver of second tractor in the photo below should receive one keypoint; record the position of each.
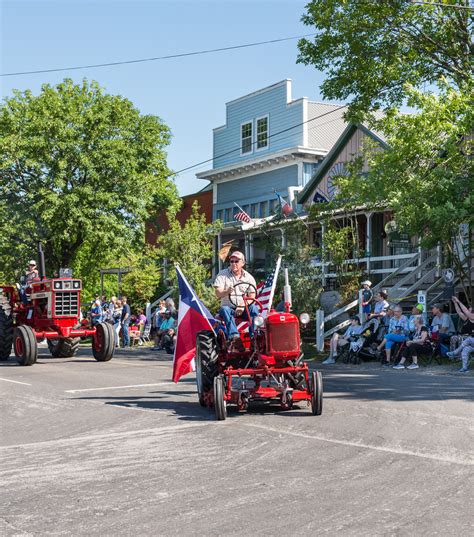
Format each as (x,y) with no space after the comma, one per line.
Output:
(228,290)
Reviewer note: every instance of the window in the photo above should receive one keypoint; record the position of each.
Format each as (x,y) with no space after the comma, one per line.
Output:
(219,215)
(273,206)
(228,215)
(262,132)
(263,209)
(309,168)
(246,137)
(253,210)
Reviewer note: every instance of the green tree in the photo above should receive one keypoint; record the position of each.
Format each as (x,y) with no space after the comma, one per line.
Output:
(79,170)
(191,246)
(371,50)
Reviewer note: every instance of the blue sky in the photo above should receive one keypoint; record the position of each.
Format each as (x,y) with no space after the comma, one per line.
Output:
(189,94)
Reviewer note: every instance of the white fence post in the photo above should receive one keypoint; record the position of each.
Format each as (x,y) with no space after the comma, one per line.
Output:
(148,312)
(320,330)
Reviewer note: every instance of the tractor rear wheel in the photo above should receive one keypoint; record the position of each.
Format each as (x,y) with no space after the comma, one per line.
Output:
(6,328)
(316,393)
(25,345)
(206,363)
(63,348)
(220,403)
(103,343)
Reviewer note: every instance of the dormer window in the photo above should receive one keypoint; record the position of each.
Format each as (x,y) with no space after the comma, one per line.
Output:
(246,138)
(262,132)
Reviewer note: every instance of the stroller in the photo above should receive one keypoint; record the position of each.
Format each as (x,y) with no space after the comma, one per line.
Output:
(360,345)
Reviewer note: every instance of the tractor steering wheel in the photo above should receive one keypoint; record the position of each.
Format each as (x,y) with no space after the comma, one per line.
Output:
(234,297)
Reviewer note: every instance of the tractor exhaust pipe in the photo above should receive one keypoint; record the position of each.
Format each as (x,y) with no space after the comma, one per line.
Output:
(287,293)
(41,265)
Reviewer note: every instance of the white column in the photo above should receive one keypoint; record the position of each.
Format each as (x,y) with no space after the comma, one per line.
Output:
(219,246)
(368,240)
(320,330)
(323,248)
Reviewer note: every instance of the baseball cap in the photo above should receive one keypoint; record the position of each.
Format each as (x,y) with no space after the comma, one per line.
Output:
(366,282)
(32,262)
(238,255)
(419,307)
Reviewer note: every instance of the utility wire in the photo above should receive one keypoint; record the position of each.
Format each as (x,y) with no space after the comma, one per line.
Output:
(253,143)
(157,58)
(455,6)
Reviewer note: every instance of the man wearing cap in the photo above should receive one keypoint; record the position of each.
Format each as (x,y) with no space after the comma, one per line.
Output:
(225,285)
(442,323)
(30,275)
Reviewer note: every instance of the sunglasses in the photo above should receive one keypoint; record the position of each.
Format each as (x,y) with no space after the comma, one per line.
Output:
(235,261)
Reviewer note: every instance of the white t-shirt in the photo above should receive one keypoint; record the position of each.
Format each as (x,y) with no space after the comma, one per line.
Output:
(226,279)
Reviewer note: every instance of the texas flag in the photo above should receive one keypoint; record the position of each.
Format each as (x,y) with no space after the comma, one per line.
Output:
(193,316)
(285,207)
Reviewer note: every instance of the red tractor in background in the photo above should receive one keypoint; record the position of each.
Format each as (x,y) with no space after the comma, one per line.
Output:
(269,367)
(51,311)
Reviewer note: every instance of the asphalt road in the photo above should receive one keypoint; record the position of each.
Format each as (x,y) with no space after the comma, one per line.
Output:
(115,449)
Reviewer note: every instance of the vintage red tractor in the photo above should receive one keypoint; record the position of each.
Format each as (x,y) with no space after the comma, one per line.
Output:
(269,367)
(51,311)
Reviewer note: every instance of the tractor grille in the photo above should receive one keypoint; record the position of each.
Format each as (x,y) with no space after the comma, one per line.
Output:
(283,338)
(67,304)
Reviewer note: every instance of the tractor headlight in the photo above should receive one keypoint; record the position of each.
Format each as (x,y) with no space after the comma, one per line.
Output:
(76,284)
(304,318)
(258,321)
(57,285)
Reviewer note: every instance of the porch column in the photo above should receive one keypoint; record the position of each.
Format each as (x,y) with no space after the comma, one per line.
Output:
(251,248)
(247,246)
(368,240)
(219,246)
(323,257)
(283,239)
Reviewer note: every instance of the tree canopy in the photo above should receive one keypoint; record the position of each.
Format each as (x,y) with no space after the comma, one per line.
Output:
(79,170)
(372,50)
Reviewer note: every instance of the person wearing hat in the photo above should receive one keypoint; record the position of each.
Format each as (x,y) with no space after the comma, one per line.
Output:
(353,331)
(226,284)
(30,275)
(367,296)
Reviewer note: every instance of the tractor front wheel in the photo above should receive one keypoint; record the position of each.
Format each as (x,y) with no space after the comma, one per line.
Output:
(316,393)
(220,403)
(6,328)
(206,363)
(25,345)
(63,348)
(103,343)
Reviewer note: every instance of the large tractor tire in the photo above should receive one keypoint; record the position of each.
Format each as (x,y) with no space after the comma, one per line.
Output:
(206,363)
(220,403)
(25,345)
(316,393)
(6,328)
(103,343)
(63,348)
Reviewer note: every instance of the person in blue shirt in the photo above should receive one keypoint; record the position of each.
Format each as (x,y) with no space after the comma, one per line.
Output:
(397,333)
(96,313)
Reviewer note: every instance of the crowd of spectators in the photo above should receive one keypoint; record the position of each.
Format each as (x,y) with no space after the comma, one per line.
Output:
(398,339)
(165,326)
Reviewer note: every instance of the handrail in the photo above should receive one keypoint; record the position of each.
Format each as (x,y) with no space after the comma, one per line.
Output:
(331,331)
(407,277)
(342,310)
(398,270)
(163,297)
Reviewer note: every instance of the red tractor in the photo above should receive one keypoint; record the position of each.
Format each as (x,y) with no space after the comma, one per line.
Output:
(48,308)
(269,367)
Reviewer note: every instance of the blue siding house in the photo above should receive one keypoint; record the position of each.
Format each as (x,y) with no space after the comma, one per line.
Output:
(269,142)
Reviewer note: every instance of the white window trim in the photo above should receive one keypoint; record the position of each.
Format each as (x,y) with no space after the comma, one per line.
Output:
(257,149)
(251,138)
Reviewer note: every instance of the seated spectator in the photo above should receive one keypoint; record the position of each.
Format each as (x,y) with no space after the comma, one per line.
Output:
(353,330)
(167,324)
(442,324)
(464,350)
(466,317)
(419,344)
(397,333)
(380,307)
(169,305)
(416,312)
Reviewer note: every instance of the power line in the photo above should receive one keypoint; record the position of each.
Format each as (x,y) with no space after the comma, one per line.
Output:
(253,143)
(455,6)
(157,58)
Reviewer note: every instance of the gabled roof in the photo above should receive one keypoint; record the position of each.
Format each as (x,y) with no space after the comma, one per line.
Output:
(329,159)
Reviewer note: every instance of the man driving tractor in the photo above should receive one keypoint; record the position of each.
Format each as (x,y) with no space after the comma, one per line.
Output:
(230,288)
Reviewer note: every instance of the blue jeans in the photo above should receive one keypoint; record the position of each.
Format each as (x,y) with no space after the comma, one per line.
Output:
(125,335)
(394,338)
(228,315)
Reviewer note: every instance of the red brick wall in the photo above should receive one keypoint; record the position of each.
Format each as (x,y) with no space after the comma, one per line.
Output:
(160,224)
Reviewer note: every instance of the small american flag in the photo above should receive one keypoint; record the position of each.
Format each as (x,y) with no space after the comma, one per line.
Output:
(266,290)
(242,216)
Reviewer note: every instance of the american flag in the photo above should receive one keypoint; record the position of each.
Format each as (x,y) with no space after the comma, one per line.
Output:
(242,216)
(266,291)
(285,207)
